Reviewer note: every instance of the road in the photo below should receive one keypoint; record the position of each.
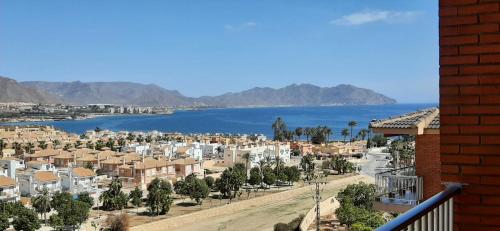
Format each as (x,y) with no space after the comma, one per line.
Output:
(264,216)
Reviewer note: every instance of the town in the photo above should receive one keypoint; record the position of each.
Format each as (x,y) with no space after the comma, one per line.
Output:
(30,112)
(100,166)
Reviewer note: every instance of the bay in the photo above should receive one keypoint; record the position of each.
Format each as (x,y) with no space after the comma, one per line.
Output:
(239,120)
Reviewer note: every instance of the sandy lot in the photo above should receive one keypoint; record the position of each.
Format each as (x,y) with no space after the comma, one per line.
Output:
(264,216)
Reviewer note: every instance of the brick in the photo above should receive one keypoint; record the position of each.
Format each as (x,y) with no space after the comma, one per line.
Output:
(447,31)
(490,220)
(451,149)
(467,219)
(481,150)
(460,159)
(481,129)
(448,70)
(482,189)
(481,170)
(480,49)
(482,109)
(478,8)
(449,169)
(489,38)
(490,99)
(491,200)
(490,120)
(480,69)
(449,90)
(459,80)
(447,11)
(446,129)
(489,79)
(447,120)
(464,198)
(491,58)
(448,50)
(467,59)
(456,2)
(480,90)
(459,40)
(490,139)
(461,178)
(461,100)
(478,28)
(490,180)
(490,160)
(448,110)
(457,20)
(485,18)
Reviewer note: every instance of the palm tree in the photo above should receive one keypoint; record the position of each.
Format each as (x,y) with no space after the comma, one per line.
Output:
(42,144)
(299,132)
(345,133)
(363,133)
(352,124)
(18,147)
(328,132)
(2,146)
(29,147)
(246,157)
(56,143)
(307,132)
(279,128)
(42,203)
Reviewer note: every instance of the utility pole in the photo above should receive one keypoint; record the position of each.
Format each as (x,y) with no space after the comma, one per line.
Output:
(318,200)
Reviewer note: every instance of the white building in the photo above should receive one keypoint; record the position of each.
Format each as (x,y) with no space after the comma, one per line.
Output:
(257,152)
(9,190)
(33,183)
(79,180)
(210,150)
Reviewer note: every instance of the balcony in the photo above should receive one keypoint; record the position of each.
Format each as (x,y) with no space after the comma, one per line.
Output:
(435,213)
(398,190)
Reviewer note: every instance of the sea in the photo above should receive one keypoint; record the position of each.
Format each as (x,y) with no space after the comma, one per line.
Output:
(239,120)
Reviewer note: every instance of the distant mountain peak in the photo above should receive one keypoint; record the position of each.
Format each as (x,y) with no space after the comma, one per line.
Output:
(128,93)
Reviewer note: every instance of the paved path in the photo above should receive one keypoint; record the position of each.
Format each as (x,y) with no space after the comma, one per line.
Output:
(264,216)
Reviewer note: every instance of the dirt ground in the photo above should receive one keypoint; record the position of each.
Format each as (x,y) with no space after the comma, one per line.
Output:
(264,216)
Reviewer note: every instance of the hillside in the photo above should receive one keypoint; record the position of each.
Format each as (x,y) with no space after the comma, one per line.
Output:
(12,91)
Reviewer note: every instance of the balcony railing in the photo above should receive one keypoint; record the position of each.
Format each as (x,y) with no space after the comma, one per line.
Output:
(435,213)
(399,186)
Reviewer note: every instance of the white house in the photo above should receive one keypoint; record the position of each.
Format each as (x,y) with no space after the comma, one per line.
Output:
(9,190)
(257,152)
(32,183)
(79,180)
(210,149)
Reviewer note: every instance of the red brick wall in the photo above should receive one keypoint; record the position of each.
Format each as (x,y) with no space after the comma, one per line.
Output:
(428,164)
(470,108)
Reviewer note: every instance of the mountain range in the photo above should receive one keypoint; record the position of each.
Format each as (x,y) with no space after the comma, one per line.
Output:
(127,93)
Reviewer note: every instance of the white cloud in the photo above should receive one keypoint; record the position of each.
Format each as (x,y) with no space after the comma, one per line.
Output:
(241,26)
(371,16)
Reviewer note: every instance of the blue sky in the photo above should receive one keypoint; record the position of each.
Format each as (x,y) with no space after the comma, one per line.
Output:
(213,47)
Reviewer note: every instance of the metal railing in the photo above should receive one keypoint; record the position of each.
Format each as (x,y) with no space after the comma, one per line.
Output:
(399,186)
(434,214)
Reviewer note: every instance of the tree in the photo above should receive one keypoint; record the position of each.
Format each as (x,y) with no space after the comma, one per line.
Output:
(42,204)
(379,140)
(269,176)
(60,198)
(90,145)
(136,197)
(42,144)
(349,214)
(89,165)
(114,198)
(3,144)
(345,133)
(29,148)
(67,146)
(299,132)
(209,181)
(159,196)
(279,128)
(255,176)
(231,181)
(97,129)
(308,166)
(341,165)
(74,213)
(4,221)
(293,174)
(360,195)
(148,139)
(86,198)
(130,137)
(352,124)
(139,139)
(181,188)
(122,142)
(56,143)
(198,190)
(363,133)
(56,222)
(26,220)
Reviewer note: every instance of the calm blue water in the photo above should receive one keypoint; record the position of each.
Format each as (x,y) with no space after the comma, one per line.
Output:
(244,120)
